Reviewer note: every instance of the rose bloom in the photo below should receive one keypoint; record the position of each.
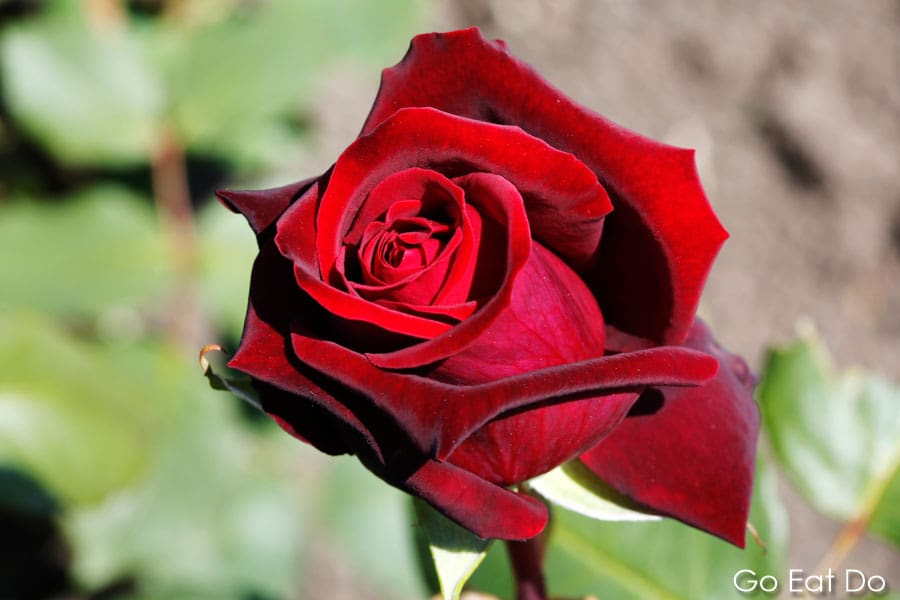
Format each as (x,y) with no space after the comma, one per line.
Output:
(491,281)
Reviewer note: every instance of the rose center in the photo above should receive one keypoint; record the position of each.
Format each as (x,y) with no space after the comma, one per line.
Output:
(401,247)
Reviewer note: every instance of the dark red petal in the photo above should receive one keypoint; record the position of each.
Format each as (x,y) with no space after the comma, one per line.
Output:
(564,201)
(501,205)
(438,416)
(296,241)
(516,447)
(264,352)
(262,207)
(552,319)
(457,257)
(489,511)
(458,285)
(309,422)
(449,313)
(689,452)
(417,185)
(416,280)
(659,243)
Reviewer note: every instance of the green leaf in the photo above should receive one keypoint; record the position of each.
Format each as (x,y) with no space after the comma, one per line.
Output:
(222,378)
(217,514)
(230,77)
(20,494)
(98,253)
(456,551)
(83,92)
(836,435)
(45,434)
(663,560)
(233,79)
(575,487)
(368,523)
(76,415)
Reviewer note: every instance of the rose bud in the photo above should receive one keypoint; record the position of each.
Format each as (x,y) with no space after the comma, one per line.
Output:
(491,281)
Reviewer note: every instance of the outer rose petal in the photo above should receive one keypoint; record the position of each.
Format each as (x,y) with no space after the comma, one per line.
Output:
(261,208)
(694,457)
(264,354)
(662,237)
(551,320)
(439,416)
(487,510)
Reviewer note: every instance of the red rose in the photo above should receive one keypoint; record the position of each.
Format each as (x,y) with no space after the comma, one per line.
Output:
(490,281)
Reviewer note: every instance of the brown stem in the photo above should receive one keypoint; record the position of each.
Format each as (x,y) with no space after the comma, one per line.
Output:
(183,321)
(527,560)
(856,528)
(105,14)
(843,544)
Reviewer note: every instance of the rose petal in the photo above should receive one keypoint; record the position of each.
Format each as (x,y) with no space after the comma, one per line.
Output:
(296,241)
(308,421)
(514,448)
(489,511)
(689,452)
(552,319)
(409,187)
(449,313)
(416,280)
(457,253)
(659,243)
(457,287)
(504,206)
(551,182)
(438,416)
(262,207)
(263,352)
(501,205)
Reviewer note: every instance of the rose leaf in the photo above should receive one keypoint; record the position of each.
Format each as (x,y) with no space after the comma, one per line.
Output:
(219,512)
(77,416)
(664,559)
(87,94)
(94,254)
(221,377)
(575,487)
(836,435)
(238,83)
(456,552)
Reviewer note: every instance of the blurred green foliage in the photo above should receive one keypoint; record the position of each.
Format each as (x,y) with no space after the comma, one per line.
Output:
(122,473)
(96,87)
(838,436)
(83,254)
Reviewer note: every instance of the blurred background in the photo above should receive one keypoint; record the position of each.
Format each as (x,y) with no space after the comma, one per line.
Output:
(122,475)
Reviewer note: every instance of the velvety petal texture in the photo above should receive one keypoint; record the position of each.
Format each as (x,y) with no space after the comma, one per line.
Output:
(689,452)
(658,245)
(491,281)
(262,207)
